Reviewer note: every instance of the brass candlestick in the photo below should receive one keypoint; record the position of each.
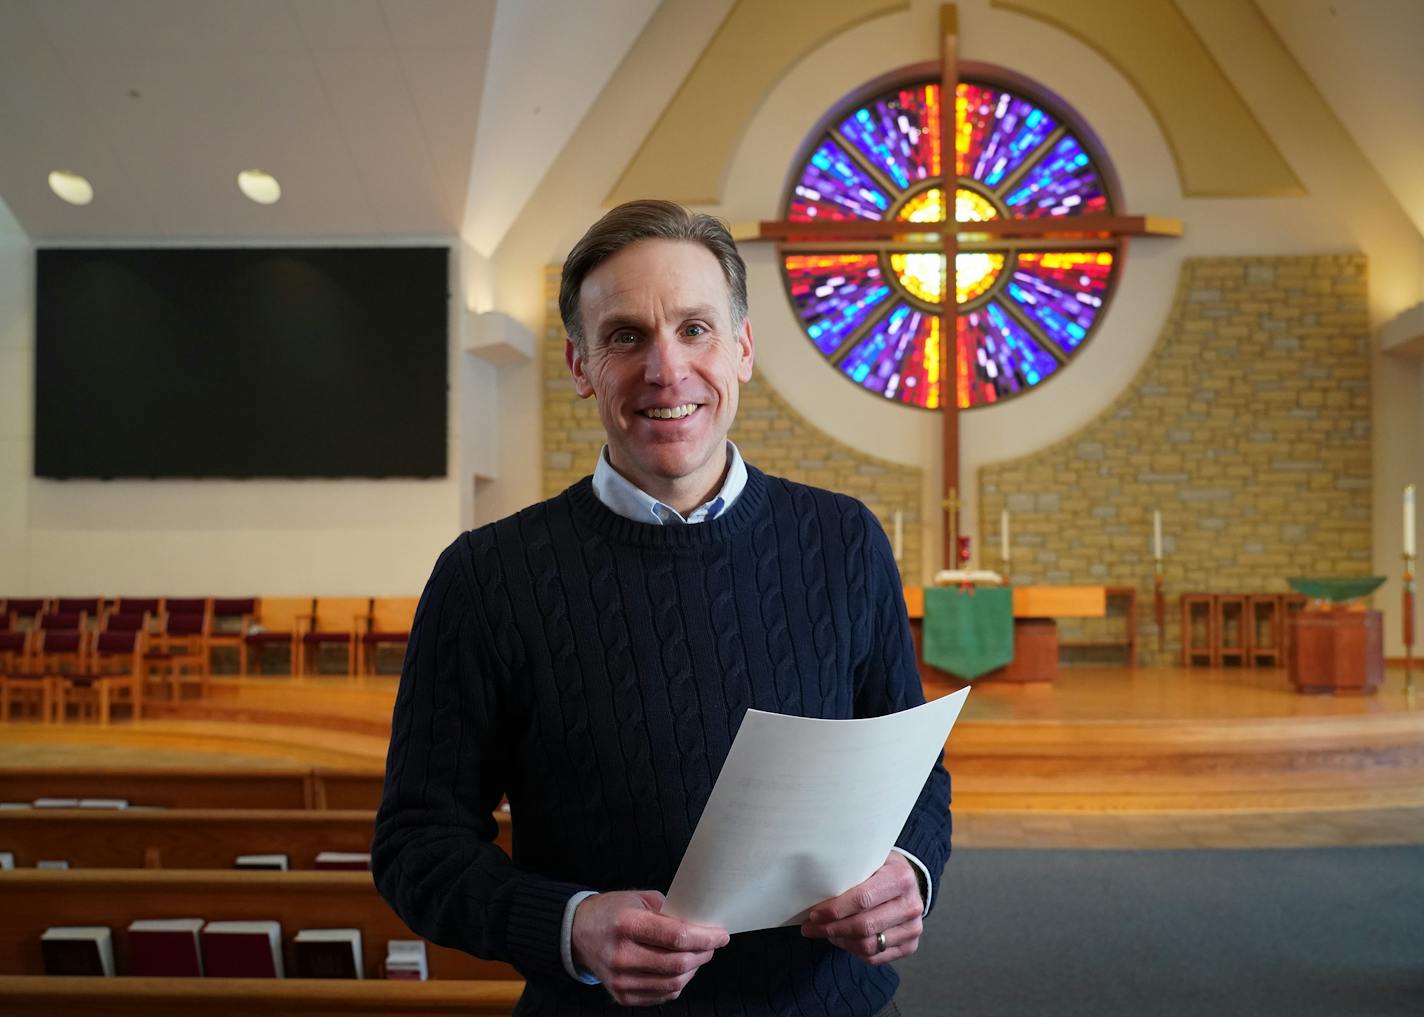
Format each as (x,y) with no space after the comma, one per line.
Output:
(1409,625)
(1159,604)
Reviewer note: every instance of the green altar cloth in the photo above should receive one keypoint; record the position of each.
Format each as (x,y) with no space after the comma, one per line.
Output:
(969,633)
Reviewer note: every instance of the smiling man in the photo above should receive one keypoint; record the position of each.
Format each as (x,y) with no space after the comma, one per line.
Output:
(591,658)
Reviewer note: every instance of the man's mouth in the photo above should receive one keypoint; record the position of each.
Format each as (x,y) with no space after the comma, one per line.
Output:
(670,412)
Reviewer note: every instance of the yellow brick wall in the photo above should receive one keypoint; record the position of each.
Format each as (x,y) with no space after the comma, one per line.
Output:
(769,433)
(1248,427)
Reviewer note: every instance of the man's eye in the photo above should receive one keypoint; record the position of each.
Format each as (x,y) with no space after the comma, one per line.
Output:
(624,338)
(695,330)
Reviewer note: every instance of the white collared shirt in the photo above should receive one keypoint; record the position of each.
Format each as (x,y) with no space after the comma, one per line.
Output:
(631,502)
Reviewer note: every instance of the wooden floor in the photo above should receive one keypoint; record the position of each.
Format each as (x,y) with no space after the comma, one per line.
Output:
(1105,757)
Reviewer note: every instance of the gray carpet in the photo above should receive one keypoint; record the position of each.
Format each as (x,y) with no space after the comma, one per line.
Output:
(1296,933)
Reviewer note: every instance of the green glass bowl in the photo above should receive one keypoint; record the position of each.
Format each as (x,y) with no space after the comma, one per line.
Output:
(1337,590)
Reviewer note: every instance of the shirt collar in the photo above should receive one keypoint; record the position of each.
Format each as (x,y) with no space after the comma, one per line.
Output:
(620,495)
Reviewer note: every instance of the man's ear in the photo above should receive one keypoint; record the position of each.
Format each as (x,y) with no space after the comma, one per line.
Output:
(574,359)
(746,351)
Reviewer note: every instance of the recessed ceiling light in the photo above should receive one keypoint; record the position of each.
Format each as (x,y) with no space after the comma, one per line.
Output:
(260,187)
(71,187)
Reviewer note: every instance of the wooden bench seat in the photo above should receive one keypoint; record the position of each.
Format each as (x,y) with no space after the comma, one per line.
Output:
(185,838)
(31,996)
(37,898)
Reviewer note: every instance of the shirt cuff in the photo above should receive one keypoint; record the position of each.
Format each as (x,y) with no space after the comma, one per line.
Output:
(926,887)
(566,936)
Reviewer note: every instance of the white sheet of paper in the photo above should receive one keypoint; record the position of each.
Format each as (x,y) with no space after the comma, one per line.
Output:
(803,810)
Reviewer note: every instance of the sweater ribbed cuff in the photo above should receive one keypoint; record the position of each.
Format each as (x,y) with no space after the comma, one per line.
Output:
(535,925)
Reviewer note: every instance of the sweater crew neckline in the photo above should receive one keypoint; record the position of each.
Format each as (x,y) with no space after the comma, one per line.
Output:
(622,530)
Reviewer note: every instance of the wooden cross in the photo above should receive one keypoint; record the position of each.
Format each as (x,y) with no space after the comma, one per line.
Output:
(933,237)
(951,505)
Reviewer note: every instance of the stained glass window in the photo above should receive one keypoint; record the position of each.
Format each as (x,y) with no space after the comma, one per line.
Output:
(1024,306)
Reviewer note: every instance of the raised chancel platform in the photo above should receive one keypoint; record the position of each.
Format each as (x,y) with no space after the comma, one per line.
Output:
(1099,747)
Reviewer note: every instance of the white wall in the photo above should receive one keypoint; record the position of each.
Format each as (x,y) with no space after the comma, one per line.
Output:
(16,372)
(334,537)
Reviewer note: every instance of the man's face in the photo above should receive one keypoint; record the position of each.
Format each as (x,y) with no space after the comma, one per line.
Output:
(664,362)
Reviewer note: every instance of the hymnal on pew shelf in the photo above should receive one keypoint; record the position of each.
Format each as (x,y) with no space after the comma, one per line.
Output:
(405,960)
(78,950)
(359,861)
(274,862)
(165,947)
(242,949)
(328,953)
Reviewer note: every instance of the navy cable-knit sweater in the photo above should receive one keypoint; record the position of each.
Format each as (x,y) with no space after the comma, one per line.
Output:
(595,670)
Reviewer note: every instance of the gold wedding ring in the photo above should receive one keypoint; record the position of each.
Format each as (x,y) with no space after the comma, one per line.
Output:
(880,942)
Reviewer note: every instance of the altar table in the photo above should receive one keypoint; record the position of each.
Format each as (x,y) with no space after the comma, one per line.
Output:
(1035,630)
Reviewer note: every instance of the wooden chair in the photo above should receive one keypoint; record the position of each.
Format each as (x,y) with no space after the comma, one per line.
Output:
(391,621)
(150,606)
(336,621)
(115,675)
(178,653)
(232,617)
(92,608)
(34,693)
(1198,606)
(1233,631)
(24,610)
(280,622)
(14,650)
(59,643)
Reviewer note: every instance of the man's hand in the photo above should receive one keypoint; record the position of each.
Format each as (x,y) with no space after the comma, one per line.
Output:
(888,902)
(642,957)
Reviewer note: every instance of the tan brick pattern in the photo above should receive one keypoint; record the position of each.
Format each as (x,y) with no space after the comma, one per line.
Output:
(1248,427)
(770,434)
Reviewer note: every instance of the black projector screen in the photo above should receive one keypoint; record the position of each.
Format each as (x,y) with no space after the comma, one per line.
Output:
(168,363)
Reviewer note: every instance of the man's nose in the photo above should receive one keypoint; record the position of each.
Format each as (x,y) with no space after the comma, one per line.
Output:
(666,362)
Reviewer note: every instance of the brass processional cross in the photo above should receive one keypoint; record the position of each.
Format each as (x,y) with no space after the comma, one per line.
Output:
(926,236)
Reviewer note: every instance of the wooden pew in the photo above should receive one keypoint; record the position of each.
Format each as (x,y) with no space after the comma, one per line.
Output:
(30,996)
(37,898)
(285,788)
(185,838)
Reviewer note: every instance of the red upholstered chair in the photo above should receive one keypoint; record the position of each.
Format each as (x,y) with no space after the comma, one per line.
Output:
(24,610)
(178,654)
(279,624)
(232,617)
(140,605)
(391,620)
(336,621)
(17,683)
(59,642)
(91,607)
(114,675)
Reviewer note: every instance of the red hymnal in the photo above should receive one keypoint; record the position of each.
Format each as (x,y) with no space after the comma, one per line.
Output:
(328,953)
(242,949)
(165,947)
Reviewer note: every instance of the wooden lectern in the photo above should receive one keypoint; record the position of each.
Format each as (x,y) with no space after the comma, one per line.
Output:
(1336,651)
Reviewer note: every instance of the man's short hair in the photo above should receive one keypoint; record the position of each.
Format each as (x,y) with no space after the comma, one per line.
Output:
(648,219)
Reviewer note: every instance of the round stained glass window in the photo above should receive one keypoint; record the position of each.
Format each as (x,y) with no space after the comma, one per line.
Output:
(1025,304)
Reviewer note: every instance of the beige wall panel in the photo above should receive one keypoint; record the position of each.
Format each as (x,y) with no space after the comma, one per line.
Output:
(686,156)
(1219,147)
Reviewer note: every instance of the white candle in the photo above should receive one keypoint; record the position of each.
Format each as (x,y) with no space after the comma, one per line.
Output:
(1004,534)
(1157,534)
(899,535)
(1409,520)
